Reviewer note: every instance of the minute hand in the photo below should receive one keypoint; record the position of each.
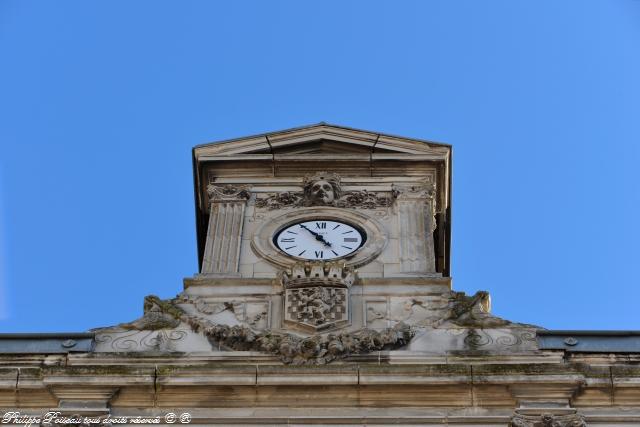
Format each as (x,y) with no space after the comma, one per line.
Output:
(318,236)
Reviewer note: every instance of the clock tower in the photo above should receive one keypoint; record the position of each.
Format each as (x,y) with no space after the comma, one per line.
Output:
(373,202)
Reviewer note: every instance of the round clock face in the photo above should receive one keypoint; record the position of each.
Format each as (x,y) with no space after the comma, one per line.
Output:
(319,239)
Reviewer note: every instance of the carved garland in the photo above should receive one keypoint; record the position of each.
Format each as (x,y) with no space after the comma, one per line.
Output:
(352,199)
(315,350)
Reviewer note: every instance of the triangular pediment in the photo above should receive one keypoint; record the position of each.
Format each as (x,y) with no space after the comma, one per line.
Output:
(321,138)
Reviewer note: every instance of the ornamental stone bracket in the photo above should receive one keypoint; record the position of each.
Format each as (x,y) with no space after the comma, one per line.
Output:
(317,296)
(548,420)
(545,401)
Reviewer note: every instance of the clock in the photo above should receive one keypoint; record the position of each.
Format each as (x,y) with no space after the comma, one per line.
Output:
(319,239)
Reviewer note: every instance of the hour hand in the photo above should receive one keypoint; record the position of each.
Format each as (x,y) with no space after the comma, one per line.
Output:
(317,235)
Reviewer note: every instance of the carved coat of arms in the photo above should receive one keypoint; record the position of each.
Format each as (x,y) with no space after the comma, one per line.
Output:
(317,296)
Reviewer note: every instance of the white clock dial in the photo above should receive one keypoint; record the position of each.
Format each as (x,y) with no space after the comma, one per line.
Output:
(319,239)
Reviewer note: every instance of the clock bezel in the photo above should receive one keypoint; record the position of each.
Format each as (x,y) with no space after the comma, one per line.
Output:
(376,236)
(363,235)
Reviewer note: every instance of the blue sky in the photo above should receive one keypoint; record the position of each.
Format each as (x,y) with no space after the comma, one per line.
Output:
(102,101)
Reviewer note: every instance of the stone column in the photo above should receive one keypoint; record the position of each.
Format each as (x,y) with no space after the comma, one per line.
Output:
(224,235)
(416,217)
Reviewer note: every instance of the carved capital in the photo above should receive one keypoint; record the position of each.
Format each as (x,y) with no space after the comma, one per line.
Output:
(548,420)
(425,190)
(228,193)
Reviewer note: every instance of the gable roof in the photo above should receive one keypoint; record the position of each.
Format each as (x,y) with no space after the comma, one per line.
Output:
(332,138)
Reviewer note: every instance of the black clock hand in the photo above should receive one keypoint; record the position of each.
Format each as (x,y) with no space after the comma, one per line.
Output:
(317,235)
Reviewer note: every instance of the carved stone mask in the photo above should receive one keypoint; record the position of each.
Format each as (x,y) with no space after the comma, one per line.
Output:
(322,192)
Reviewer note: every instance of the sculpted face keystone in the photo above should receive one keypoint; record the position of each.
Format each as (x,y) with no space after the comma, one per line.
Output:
(322,192)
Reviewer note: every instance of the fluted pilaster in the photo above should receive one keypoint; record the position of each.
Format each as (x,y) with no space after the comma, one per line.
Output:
(224,234)
(416,210)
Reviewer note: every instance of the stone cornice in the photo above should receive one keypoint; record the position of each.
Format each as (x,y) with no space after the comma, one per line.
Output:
(171,380)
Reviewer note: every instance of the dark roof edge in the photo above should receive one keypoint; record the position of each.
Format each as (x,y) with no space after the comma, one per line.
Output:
(47,335)
(591,333)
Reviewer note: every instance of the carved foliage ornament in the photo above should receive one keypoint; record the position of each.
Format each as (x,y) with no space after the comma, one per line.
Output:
(317,349)
(324,189)
(548,420)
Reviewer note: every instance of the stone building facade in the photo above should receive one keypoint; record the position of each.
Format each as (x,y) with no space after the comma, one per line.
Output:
(324,298)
